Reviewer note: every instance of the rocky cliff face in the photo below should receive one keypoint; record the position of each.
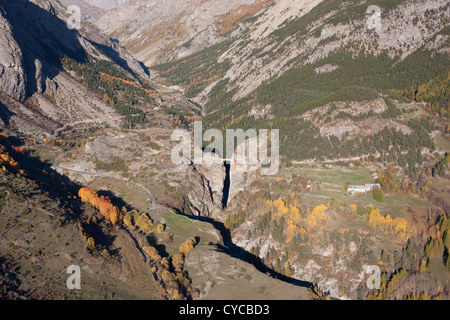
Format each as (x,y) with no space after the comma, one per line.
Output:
(34,32)
(12,73)
(33,37)
(207,186)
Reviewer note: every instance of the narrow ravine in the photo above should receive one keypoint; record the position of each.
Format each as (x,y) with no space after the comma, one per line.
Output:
(226,184)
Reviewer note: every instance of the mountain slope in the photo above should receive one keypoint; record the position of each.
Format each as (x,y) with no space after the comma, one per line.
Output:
(276,41)
(46,228)
(158,31)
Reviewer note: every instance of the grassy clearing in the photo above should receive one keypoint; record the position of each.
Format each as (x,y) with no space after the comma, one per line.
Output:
(441,142)
(332,183)
(340,177)
(182,228)
(45,153)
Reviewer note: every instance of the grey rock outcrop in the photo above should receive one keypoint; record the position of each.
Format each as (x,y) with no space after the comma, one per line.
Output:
(12,72)
(207,185)
(50,87)
(38,76)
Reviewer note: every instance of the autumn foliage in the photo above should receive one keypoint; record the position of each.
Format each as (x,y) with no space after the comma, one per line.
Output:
(317,216)
(101,203)
(152,252)
(187,246)
(144,223)
(7,162)
(397,227)
(150,92)
(229,20)
(293,217)
(178,262)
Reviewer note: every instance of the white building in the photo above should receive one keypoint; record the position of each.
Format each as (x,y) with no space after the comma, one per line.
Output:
(363,188)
